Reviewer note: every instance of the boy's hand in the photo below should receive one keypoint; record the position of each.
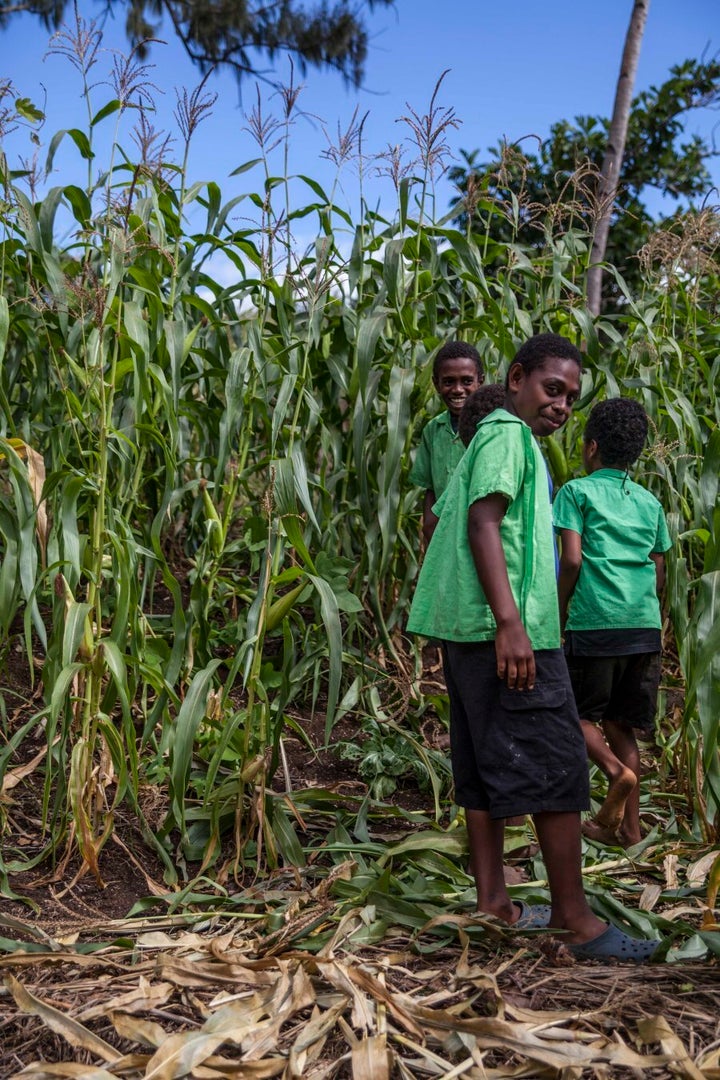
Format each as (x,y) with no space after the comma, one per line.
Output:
(515,656)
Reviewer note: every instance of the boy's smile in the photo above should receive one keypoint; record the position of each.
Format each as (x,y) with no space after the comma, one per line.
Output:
(457,379)
(544,397)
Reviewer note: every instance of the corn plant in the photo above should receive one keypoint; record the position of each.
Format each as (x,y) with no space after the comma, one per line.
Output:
(206,516)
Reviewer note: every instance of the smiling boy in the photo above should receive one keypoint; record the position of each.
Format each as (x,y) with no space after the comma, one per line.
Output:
(487,589)
(457,372)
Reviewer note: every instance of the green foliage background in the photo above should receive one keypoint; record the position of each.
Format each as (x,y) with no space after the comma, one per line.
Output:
(560,176)
(206,526)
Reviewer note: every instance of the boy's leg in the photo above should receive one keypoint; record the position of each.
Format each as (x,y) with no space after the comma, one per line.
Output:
(507,740)
(463,668)
(486,837)
(623,744)
(632,708)
(595,680)
(560,842)
(622,781)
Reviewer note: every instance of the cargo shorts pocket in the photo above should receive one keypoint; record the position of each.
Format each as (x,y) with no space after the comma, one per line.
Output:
(544,697)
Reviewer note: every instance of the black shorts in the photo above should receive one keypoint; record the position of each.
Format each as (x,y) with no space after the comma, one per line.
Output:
(619,688)
(514,751)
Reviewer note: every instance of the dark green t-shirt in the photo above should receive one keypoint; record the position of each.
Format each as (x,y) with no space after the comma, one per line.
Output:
(437,455)
(449,602)
(620,525)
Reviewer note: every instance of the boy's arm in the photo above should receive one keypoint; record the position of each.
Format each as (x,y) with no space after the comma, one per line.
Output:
(570,564)
(659,559)
(515,657)
(429,521)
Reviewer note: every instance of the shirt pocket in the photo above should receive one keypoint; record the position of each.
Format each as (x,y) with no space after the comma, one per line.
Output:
(544,697)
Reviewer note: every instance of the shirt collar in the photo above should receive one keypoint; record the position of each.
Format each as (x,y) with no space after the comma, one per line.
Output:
(447,421)
(619,473)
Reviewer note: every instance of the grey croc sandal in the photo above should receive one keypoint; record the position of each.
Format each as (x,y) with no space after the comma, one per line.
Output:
(613,944)
(532,916)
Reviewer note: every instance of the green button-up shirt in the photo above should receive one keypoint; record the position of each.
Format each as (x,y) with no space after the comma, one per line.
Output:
(449,602)
(437,456)
(620,526)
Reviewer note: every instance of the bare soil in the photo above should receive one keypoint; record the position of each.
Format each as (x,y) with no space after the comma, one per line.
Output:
(60,905)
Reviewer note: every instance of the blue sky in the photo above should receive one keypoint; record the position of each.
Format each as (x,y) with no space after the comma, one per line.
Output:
(514,69)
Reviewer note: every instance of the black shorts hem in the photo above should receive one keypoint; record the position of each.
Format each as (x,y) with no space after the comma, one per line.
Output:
(646,727)
(623,689)
(521,809)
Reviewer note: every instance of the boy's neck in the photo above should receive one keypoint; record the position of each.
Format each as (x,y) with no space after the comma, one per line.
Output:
(596,465)
(592,460)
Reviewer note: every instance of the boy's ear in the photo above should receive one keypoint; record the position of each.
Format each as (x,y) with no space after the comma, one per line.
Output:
(515,376)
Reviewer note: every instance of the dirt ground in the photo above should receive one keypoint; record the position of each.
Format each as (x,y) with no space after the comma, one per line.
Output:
(93,992)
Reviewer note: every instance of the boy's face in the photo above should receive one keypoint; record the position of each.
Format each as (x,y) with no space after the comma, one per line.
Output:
(544,398)
(455,381)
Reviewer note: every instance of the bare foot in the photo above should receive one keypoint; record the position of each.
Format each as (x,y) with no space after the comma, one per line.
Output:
(601,834)
(507,911)
(628,839)
(611,812)
(515,910)
(581,928)
(514,875)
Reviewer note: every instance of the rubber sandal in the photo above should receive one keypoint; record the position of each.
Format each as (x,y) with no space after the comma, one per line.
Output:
(613,944)
(532,916)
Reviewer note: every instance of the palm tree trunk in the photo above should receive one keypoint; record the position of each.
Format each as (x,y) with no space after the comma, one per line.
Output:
(612,162)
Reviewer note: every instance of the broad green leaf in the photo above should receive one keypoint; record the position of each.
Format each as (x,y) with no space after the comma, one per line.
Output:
(185,726)
(107,110)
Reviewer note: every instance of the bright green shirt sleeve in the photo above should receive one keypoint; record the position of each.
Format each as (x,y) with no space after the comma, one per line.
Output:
(421,472)
(663,541)
(566,512)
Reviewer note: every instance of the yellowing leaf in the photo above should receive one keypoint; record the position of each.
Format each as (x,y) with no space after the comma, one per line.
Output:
(75,1033)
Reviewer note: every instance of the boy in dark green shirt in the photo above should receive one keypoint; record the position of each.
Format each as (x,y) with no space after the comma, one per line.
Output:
(457,372)
(613,537)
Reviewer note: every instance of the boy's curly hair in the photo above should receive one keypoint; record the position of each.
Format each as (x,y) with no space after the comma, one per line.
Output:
(539,348)
(458,350)
(619,426)
(479,405)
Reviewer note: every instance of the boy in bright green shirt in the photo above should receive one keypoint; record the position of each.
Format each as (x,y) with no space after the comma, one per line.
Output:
(449,602)
(457,372)
(613,536)
(487,589)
